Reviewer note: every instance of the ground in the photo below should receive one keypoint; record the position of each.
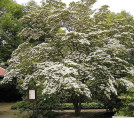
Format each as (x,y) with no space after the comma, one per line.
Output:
(89,113)
(6,112)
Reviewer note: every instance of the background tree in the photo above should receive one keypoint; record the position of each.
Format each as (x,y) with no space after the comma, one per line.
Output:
(10,12)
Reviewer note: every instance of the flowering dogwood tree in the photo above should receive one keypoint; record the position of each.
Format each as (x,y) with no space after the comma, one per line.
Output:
(91,56)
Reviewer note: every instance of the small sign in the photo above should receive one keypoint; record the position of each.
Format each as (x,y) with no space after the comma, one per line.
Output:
(31,94)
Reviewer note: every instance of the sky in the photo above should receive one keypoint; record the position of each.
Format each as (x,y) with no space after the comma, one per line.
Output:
(115,5)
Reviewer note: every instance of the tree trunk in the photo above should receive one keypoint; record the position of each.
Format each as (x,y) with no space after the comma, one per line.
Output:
(77,105)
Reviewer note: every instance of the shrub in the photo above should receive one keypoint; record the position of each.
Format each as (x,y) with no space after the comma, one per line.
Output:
(63,106)
(92,105)
(22,106)
(127,109)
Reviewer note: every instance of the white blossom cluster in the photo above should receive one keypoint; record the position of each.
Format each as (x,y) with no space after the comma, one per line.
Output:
(72,60)
(127,83)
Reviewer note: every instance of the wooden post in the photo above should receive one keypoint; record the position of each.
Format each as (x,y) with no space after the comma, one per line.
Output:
(36,108)
(33,110)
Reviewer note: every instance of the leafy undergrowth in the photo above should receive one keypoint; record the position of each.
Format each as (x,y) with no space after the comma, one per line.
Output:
(90,114)
(63,106)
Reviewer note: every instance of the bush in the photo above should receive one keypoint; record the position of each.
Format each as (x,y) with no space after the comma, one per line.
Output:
(92,105)
(127,109)
(22,106)
(63,106)
(14,106)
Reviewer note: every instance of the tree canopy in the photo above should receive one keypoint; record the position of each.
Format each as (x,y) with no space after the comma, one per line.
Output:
(93,56)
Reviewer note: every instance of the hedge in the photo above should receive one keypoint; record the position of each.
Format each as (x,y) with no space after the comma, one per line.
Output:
(92,105)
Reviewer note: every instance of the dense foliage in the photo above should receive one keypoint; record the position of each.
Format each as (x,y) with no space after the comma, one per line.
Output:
(93,58)
(10,12)
(64,106)
(127,107)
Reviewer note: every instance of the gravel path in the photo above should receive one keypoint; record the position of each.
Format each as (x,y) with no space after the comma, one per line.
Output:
(6,112)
